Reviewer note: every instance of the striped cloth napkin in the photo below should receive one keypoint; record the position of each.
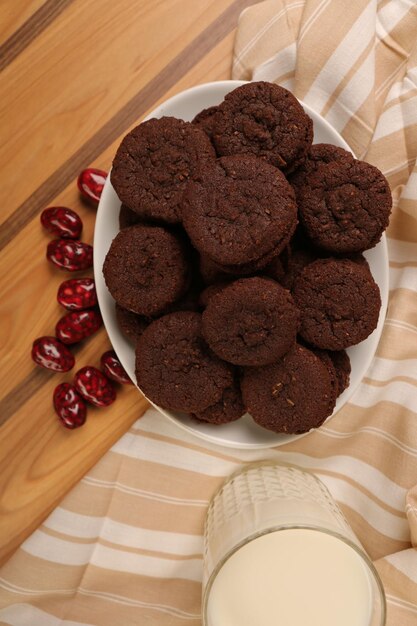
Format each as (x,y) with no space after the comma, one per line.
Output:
(125,546)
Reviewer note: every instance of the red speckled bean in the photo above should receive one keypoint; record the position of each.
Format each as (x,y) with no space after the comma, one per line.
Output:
(69,406)
(50,353)
(62,222)
(77,294)
(113,369)
(90,183)
(70,255)
(77,325)
(94,386)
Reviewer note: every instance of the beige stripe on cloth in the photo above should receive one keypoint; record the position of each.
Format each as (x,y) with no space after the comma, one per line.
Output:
(124,547)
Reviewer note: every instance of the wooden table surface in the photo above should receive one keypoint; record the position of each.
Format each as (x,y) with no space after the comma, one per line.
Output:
(76,75)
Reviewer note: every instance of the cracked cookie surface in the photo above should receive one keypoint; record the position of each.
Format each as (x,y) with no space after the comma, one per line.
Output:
(238,210)
(292,395)
(229,408)
(154,163)
(146,269)
(339,303)
(252,321)
(346,206)
(265,120)
(176,369)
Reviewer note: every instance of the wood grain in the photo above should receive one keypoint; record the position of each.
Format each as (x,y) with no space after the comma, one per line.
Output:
(69,103)
(30,29)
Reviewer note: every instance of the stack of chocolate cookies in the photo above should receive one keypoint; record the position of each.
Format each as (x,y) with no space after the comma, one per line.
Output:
(238,271)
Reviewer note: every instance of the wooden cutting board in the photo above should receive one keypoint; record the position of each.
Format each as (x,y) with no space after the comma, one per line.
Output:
(76,76)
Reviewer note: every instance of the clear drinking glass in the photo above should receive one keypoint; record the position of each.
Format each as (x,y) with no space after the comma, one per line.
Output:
(278,550)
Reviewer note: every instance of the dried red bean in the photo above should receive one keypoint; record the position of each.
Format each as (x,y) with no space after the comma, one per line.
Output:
(113,369)
(94,386)
(52,354)
(70,255)
(90,183)
(77,325)
(69,406)
(62,222)
(77,294)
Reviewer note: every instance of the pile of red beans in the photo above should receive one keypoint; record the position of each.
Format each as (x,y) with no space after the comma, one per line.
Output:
(78,296)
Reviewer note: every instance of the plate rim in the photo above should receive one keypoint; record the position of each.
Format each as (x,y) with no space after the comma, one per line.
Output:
(101,286)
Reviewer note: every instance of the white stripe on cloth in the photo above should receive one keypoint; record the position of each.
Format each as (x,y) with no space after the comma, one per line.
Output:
(397,392)
(373,430)
(390,15)
(352,97)
(58,550)
(403,604)
(403,86)
(238,58)
(162,608)
(112,597)
(405,562)
(343,58)
(90,527)
(396,118)
(403,278)
(401,251)
(312,19)
(385,369)
(410,190)
(362,473)
(381,520)
(172,455)
(28,615)
(141,493)
(278,65)
(402,325)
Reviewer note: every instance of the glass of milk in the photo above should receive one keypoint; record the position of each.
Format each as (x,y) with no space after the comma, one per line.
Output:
(279,552)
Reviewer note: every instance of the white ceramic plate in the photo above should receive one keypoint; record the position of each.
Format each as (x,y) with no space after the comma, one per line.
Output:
(243,433)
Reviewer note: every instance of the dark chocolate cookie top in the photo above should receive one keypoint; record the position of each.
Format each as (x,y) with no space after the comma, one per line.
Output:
(131,324)
(342,366)
(319,154)
(205,120)
(146,269)
(346,206)
(292,395)
(252,321)
(175,368)
(265,120)
(127,217)
(229,408)
(238,210)
(154,163)
(339,303)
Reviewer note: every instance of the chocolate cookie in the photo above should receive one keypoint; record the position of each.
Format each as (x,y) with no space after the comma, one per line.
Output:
(229,408)
(319,154)
(265,120)
(175,368)
(346,206)
(205,120)
(131,324)
(154,163)
(146,269)
(252,321)
(292,395)
(327,360)
(238,210)
(339,303)
(127,217)
(341,364)
(210,291)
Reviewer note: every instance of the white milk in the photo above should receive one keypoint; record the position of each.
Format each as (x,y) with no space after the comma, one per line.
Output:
(294,577)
